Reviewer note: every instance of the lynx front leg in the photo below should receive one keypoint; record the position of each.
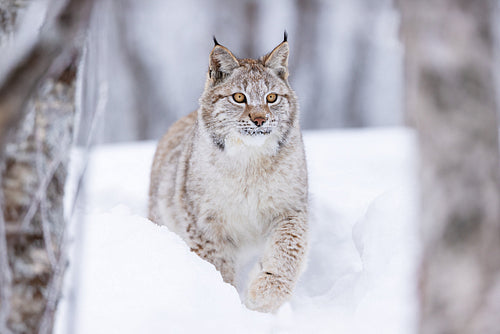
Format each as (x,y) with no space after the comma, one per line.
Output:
(224,264)
(280,266)
(213,251)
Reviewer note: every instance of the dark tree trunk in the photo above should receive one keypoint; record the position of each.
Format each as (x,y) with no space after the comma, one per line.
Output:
(450,95)
(149,110)
(250,17)
(354,102)
(305,62)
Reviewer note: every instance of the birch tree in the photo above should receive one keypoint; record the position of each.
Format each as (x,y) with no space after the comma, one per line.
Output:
(35,159)
(450,93)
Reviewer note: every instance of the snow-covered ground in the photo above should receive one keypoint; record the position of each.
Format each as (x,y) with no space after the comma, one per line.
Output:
(131,276)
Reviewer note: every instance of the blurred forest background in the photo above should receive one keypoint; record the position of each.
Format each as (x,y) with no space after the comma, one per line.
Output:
(77,72)
(345,58)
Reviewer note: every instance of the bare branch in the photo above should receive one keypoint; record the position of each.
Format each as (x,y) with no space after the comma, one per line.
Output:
(43,205)
(42,188)
(5,273)
(54,289)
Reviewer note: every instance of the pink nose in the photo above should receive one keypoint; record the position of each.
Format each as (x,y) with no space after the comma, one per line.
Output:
(259,121)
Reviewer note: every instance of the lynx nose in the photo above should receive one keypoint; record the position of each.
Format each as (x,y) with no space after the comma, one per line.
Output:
(259,121)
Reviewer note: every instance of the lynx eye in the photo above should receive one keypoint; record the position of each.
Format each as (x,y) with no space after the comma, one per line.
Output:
(239,97)
(271,97)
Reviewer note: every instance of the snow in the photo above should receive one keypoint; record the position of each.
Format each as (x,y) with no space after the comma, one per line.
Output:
(131,276)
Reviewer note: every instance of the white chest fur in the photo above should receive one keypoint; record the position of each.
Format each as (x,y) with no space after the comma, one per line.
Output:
(242,193)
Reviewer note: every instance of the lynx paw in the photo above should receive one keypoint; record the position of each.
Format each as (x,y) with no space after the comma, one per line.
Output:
(267,292)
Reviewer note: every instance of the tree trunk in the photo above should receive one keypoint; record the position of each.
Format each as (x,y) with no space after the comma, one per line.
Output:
(149,111)
(305,63)
(450,94)
(35,166)
(354,105)
(33,185)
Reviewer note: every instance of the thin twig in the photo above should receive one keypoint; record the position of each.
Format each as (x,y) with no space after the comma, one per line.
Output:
(58,277)
(97,113)
(54,288)
(42,188)
(5,273)
(47,239)
(102,101)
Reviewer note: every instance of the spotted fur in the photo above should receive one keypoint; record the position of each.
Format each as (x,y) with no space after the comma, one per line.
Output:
(232,189)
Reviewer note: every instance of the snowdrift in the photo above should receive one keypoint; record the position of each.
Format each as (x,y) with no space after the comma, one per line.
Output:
(128,275)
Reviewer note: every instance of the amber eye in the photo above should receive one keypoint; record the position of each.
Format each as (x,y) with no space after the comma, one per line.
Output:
(271,97)
(239,97)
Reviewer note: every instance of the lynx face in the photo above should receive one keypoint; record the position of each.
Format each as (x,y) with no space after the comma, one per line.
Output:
(248,100)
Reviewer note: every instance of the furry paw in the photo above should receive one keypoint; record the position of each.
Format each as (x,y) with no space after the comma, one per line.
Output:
(267,292)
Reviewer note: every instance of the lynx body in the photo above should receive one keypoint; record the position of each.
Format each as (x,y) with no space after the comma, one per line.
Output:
(231,177)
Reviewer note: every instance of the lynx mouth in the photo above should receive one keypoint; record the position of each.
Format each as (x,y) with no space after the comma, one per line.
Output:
(255,131)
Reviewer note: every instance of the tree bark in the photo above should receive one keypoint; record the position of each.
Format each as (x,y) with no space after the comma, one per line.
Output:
(33,186)
(35,166)
(55,41)
(450,94)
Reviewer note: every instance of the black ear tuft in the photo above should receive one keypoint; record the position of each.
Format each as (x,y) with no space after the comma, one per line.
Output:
(217,43)
(277,60)
(285,36)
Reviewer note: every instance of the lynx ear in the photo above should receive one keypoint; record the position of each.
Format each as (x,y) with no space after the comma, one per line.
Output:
(222,62)
(277,60)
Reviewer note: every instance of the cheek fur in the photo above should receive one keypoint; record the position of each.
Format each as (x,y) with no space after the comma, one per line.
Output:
(281,109)
(225,110)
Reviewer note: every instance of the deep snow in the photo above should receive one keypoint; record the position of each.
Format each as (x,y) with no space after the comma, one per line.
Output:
(131,276)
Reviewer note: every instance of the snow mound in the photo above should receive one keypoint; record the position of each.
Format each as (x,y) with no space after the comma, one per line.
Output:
(137,277)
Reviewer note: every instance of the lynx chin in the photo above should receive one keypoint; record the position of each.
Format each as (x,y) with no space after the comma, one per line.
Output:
(231,177)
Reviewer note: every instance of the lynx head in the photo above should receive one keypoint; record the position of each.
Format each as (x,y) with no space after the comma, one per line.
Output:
(248,101)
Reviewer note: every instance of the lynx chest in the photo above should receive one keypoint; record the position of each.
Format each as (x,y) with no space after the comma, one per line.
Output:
(245,201)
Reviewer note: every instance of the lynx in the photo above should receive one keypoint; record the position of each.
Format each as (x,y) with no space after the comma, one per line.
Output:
(231,177)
